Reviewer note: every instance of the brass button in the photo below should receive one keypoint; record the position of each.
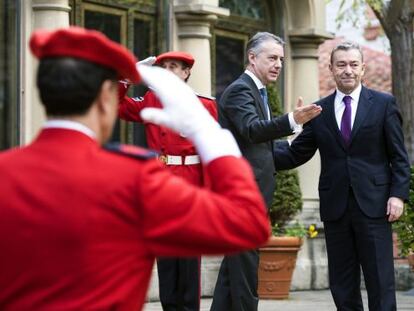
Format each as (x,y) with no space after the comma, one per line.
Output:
(163,159)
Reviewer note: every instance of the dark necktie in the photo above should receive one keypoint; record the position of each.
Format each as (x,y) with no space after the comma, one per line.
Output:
(263,93)
(346,120)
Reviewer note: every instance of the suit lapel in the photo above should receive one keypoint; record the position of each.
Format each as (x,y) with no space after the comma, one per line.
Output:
(330,119)
(364,105)
(258,101)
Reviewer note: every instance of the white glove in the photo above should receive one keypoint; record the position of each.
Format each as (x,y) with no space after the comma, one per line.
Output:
(125,82)
(184,113)
(149,61)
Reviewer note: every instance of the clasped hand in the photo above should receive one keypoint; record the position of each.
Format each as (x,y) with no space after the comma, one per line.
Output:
(395,208)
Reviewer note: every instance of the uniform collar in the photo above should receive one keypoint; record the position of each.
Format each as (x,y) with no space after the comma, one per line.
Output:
(70,125)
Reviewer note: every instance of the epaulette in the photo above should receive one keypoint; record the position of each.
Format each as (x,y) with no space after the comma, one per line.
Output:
(131,151)
(207,97)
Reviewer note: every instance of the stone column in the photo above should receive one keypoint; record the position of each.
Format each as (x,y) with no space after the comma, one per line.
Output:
(191,32)
(304,64)
(43,14)
(306,31)
(311,270)
(194,20)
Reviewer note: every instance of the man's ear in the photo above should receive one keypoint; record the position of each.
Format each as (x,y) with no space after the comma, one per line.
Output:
(187,71)
(251,56)
(105,96)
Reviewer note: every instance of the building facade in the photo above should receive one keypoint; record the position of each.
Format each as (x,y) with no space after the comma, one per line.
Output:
(214,31)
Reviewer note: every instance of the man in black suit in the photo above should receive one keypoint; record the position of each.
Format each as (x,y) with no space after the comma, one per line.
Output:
(244,110)
(363,182)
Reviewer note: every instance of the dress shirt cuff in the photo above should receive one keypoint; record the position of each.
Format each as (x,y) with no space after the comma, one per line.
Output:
(293,137)
(296,128)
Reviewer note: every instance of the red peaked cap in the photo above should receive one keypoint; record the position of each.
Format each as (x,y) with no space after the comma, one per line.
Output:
(90,45)
(182,56)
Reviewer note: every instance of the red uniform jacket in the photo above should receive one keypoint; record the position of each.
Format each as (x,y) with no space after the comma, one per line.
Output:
(80,226)
(162,139)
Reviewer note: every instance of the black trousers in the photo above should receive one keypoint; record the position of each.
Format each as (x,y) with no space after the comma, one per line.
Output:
(179,283)
(356,241)
(236,287)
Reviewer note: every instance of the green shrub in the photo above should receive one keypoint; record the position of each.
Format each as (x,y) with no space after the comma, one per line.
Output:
(287,199)
(404,227)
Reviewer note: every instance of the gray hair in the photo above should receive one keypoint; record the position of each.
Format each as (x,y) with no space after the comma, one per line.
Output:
(346,46)
(255,42)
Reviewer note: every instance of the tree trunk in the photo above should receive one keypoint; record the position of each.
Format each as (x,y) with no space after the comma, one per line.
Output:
(397,20)
(402,49)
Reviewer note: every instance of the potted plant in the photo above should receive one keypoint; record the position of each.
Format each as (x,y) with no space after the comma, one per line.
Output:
(404,227)
(278,256)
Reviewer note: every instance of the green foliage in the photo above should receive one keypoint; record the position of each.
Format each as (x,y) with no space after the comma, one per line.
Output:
(295,229)
(376,5)
(287,199)
(404,227)
(352,13)
(274,100)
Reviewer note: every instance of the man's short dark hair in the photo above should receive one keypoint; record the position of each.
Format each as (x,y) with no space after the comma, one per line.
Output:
(255,42)
(346,46)
(68,86)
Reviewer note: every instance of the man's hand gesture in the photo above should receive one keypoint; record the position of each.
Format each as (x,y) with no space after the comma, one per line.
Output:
(303,114)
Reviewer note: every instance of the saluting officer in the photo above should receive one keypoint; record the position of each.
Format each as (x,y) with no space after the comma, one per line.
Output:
(179,278)
(81,226)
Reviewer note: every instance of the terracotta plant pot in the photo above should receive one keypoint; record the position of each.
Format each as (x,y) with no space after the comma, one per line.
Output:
(410,258)
(277,262)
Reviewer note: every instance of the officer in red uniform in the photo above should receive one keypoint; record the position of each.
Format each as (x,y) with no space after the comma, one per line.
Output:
(179,278)
(81,226)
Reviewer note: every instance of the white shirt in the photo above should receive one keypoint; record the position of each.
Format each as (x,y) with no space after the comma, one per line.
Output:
(293,125)
(70,125)
(340,105)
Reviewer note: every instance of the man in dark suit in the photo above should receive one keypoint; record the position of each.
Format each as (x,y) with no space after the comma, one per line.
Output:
(363,182)
(244,110)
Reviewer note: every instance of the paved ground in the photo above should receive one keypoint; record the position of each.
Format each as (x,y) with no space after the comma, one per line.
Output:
(304,301)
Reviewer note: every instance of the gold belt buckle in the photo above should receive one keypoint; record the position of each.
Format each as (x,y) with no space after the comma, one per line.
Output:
(163,159)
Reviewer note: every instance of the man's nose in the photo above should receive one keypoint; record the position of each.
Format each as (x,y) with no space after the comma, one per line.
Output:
(348,69)
(278,63)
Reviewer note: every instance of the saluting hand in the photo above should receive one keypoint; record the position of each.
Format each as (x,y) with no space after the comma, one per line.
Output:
(182,110)
(149,61)
(185,114)
(303,114)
